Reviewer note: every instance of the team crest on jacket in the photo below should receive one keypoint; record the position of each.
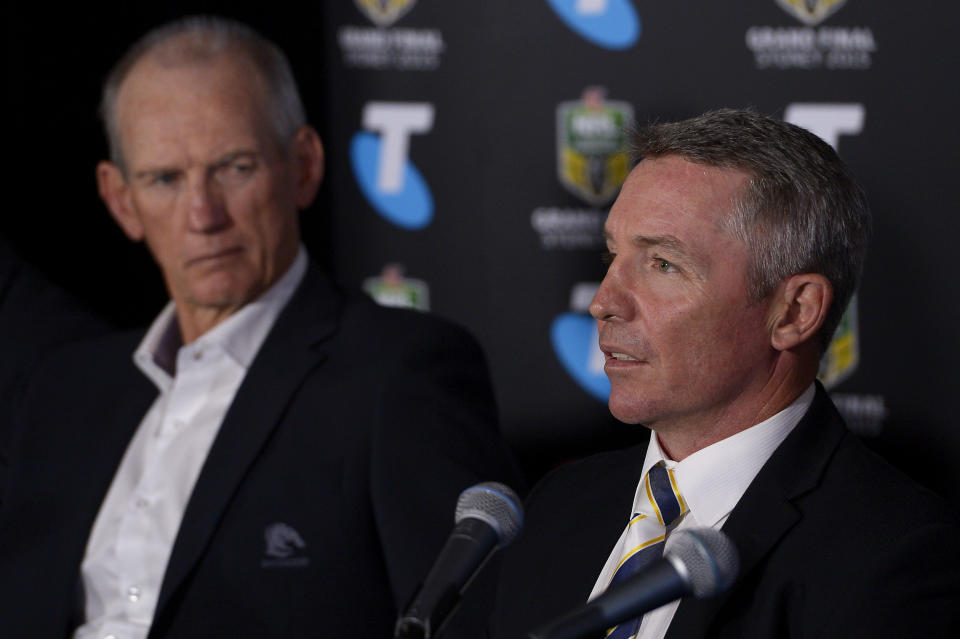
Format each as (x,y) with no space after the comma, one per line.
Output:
(383,13)
(811,11)
(592,159)
(284,547)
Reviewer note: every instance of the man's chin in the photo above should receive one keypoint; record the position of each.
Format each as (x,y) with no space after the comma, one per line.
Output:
(628,412)
(223,293)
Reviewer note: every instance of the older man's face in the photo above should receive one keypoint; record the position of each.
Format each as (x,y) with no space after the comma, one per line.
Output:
(683,341)
(206,184)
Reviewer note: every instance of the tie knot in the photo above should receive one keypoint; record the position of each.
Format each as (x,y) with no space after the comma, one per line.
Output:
(663,494)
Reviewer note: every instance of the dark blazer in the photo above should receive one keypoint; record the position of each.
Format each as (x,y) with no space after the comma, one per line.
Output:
(356,427)
(35,316)
(833,542)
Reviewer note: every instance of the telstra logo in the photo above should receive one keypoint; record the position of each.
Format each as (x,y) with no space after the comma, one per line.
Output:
(612,24)
(380,160)
(575,341)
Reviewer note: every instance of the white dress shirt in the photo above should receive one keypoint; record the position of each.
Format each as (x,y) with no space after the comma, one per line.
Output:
(711,481)
(132,537)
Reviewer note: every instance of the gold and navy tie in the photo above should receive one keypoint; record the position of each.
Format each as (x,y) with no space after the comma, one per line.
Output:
(646,534)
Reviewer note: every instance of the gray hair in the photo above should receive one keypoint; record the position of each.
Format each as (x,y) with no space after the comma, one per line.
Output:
(199,39)
(801,210)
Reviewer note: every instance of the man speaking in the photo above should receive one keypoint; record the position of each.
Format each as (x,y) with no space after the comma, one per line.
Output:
(273,457)
(733,248)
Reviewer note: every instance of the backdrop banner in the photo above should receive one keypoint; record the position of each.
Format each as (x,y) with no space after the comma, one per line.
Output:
(474,149)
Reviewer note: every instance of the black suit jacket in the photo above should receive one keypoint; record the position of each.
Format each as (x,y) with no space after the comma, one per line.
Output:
(833,542)
(35,316)
(356,427)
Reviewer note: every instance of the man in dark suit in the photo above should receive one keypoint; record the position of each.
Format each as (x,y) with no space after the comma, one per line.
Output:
(734,247)
(274,457)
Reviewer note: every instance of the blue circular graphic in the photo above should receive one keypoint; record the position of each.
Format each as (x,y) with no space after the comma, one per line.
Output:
(615,26)
(410,208)
(574,338)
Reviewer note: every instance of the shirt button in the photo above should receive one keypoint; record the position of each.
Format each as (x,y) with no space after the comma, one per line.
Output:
(142,502)
(197,356)
(133,594)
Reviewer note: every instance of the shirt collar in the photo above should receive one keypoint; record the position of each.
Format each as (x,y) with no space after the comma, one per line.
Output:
(239,336)
(713,479)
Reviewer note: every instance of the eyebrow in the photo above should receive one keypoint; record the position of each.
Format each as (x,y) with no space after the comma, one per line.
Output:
(224,160)
(235,155)
(668,242)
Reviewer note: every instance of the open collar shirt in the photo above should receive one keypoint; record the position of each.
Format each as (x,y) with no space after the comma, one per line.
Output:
(134,532)
(711,481)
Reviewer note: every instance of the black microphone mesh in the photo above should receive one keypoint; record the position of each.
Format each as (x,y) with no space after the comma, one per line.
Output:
(710,559)
(495,504)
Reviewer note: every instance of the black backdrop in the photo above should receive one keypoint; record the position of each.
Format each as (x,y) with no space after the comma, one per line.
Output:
(508,247)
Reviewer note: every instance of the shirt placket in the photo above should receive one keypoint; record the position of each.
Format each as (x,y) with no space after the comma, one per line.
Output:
(152,516)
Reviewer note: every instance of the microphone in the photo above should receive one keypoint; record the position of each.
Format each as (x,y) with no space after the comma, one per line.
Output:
(702,562)
(488,515)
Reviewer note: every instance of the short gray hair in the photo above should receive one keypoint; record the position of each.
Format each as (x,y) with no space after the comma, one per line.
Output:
(801,210)
(198,39)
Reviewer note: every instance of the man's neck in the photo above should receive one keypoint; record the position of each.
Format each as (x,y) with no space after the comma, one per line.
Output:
(683,437)
(196,320)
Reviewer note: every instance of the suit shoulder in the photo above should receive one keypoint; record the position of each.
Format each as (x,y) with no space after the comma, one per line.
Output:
(98,350)
(605,475)
(80,364)
(874,485)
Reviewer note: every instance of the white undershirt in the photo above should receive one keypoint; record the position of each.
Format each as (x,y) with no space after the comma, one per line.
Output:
(132,537)
(712,481)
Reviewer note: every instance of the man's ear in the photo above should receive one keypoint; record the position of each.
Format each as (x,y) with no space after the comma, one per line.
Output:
(115,193)
(308,165)
(799,309)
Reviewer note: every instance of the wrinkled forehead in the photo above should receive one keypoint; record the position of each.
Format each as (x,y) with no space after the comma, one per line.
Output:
(230,71)
(156,93)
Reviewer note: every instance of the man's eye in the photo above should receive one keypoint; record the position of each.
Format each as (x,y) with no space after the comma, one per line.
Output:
(236,171)
(242,168)
(239,167)
(165,178)
(664,266)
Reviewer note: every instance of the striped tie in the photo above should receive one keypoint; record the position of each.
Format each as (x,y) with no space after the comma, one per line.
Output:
(646,534)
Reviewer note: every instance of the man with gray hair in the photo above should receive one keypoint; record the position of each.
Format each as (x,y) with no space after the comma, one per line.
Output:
(279,457)
(733,248)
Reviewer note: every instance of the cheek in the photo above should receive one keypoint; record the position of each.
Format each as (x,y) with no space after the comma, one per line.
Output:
(160,239)
(697,339)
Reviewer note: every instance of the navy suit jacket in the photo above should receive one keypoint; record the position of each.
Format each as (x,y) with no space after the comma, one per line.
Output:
(833,542)
(356,428)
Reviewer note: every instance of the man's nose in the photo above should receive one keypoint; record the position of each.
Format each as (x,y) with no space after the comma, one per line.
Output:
(612,300)
(206,208)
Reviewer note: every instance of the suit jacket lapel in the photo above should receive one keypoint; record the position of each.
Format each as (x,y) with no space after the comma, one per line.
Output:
(766,511)
(292,349)
(604,518)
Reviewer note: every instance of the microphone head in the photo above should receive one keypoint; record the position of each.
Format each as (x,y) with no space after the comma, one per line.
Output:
(494,503)
(706,558)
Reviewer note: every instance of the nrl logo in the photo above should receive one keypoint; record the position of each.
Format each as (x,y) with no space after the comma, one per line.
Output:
(393,289)
(383,13)
(843,354)
(811,12)
(592,159)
